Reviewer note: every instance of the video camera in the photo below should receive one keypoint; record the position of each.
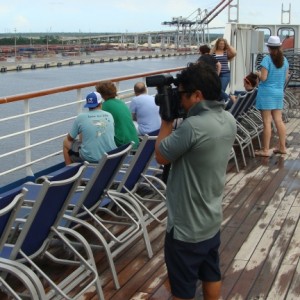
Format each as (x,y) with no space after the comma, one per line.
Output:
(167,97)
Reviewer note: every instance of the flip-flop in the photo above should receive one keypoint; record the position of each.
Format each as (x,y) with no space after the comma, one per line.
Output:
(277,151)
(261,153)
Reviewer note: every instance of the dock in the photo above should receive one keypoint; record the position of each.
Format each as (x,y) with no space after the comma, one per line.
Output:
(58,61)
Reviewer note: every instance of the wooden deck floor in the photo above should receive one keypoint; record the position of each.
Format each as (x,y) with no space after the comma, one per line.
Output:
(260,236)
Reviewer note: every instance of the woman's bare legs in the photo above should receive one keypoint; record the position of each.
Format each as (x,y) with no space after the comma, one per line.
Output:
(281,131)
(267,132)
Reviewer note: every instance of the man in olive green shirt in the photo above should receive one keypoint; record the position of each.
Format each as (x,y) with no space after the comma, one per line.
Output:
(198,151)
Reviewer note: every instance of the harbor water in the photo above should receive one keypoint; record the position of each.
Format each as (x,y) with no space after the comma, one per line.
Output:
(16,82)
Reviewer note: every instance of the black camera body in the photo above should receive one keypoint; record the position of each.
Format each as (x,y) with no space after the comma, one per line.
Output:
(167,97)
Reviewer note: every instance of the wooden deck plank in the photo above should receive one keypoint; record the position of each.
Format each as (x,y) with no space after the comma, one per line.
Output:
(254,237)
(164,292)
(294,290)
(271,266)
(245,223)
(156,280)
(145,272)
(281,284)
(133,260)
(231,276)
(236,242)
(288,271)
(287,274)
(255,262)
(270,213)
(242,285)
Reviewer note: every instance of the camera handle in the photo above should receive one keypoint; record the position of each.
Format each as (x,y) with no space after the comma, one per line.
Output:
(165,108)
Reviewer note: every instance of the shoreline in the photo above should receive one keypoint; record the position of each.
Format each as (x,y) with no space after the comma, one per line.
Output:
(55,60)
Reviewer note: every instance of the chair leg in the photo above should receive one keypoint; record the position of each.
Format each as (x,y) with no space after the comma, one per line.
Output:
(243,156)
(251,150)
(236,163)
(146,239)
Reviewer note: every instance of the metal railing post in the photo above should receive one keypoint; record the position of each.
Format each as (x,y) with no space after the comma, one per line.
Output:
(79,98)
(27,136)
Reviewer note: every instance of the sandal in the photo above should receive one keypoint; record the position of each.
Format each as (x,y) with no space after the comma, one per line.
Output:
(277,151)
(262,153)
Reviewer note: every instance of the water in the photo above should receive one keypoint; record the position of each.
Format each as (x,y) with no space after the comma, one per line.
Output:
(14,82)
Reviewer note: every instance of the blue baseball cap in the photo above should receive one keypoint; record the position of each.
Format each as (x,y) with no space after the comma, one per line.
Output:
(93,100)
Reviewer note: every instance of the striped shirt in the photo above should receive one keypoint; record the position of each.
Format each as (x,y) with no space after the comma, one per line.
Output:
(223,59)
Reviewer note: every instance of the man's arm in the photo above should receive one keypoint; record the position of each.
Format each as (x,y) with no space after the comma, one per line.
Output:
(165,130)
(133,116)
(69,138)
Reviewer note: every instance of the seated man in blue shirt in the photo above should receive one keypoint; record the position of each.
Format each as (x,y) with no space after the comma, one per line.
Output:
(145,113)
(95,131)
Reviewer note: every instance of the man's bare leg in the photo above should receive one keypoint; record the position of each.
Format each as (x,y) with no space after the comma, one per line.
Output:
(211,290)
(66,148)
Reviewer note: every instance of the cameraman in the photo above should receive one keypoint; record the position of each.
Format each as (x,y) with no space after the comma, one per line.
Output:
(198,151)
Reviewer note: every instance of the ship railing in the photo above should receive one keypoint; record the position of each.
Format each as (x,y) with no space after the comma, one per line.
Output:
(31,139)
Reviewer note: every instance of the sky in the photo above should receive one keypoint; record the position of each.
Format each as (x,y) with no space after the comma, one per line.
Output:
(130,15)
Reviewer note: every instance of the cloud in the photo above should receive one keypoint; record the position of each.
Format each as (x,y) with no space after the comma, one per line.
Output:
(128,5)
(131,15)
(56,3)
(4,8)
(21,22)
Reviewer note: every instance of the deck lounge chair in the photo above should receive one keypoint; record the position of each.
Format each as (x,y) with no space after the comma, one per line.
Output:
(245,117)
(10,203)
(243,138)
(291,103)
(37,227)
(113,222)
(32,284)
(137,176)
(233,156)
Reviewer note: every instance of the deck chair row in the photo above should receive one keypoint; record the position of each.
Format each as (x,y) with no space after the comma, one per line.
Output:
(113,227)
(27,233)
(249,123)
(124,207)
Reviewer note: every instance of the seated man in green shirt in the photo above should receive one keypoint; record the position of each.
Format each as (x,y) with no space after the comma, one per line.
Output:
(125,131)
(198,151)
